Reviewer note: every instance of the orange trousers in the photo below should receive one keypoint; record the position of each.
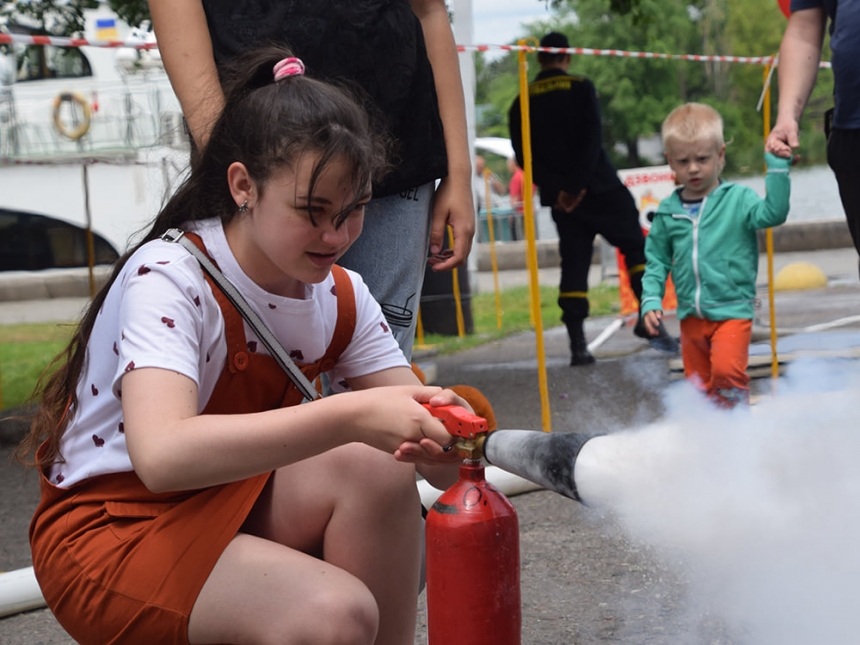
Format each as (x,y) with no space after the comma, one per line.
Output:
(716,355)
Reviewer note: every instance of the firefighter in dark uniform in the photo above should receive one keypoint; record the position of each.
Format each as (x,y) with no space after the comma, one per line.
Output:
(577,180)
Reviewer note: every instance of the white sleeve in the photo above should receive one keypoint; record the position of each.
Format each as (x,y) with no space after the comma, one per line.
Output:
(373,347)
(165,316)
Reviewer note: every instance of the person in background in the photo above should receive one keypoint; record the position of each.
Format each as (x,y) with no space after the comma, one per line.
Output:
(479,186)
(704,234)
(577,180)
(403,56)
(516,192)
(799,55)
(187,497)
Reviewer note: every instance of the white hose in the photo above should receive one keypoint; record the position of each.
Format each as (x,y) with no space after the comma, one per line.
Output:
(839,322)
(19,592)
(613,327)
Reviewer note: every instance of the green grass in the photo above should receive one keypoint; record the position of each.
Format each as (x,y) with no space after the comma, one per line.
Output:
(26,350)
(516,315)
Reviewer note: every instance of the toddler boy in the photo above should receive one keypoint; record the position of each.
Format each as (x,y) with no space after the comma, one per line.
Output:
(705,235)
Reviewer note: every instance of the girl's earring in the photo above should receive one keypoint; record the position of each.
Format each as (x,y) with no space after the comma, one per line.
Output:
(243,208)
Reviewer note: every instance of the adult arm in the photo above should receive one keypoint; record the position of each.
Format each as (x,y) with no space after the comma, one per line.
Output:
(186,50)
(515,128)
(799,55)
(452,205)
(585,142)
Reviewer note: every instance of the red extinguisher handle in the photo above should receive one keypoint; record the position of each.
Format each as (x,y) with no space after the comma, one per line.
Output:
(458,421)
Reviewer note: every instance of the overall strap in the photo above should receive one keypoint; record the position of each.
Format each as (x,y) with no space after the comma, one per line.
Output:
(251,317)
(234,328)
(226,292)
(346,318)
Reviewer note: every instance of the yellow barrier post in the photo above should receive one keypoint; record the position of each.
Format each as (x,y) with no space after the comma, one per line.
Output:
(774,358)
(458,304)
(419,331)
(493,260)
(531,256)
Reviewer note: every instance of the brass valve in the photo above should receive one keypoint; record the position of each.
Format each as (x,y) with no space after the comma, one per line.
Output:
(470,429)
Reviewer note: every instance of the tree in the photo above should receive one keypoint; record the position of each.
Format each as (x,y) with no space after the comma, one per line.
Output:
(636,94)
(66,17)
(133,12)
(49,17)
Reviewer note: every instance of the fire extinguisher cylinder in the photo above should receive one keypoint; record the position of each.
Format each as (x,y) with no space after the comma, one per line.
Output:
(473,564)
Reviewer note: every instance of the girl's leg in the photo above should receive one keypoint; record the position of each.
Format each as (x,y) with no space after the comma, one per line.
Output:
(696,351)
(263,593)
(358,510)
(730,346)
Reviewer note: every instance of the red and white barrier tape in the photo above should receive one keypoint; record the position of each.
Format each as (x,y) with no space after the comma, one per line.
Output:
(61,41)
(587,51)
(64,41)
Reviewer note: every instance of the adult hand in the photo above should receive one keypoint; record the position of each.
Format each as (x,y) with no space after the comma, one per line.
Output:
(568,202)
(452,206)
(783,138)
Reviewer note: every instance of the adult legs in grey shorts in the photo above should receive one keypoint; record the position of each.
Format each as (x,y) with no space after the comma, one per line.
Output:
(391,254)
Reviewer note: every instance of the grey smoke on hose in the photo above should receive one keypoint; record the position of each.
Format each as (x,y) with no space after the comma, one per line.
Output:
(761,504)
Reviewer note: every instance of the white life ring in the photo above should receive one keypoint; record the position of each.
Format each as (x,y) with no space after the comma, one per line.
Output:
(73,133)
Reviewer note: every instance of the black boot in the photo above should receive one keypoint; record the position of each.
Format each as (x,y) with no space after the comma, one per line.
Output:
(579,354)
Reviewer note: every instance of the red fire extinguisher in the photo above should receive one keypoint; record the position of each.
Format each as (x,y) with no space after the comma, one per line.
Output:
(472,551)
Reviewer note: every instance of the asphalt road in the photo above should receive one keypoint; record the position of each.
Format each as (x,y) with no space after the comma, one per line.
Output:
(585,580)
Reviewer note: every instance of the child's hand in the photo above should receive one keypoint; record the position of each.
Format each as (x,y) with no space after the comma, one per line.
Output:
(429,450)
(438,468)
(652,321)
(388,416)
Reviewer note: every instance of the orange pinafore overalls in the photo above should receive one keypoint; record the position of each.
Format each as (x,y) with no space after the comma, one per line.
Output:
(120,564)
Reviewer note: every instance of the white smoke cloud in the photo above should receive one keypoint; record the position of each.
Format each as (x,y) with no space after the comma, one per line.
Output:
(761,504)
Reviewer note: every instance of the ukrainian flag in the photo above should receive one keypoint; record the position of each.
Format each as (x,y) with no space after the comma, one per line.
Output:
(106,29)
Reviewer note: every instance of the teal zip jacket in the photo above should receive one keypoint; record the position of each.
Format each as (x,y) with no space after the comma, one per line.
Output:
(713,258)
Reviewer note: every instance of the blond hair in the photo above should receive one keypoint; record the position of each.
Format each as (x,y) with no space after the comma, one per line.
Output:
(691,123)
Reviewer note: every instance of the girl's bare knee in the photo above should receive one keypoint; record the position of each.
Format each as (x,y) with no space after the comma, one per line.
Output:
(341,616)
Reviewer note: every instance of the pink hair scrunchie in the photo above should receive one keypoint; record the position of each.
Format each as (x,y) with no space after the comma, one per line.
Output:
(288,67)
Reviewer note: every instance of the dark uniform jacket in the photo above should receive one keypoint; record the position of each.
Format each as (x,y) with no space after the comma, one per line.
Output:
(566,139)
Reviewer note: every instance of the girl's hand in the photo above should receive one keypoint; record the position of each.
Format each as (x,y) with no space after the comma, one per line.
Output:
(390,417)
(427,450)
